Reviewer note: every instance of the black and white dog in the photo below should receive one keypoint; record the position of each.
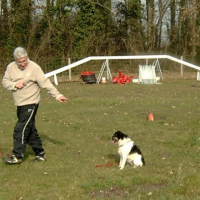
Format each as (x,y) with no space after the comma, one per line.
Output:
(128,151)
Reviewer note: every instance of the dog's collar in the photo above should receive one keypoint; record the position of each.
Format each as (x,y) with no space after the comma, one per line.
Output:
(125,143)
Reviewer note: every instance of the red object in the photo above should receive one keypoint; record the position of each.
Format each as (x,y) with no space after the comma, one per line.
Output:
(122,79)
(88,77)
(114,79)
(87,73)
(100,166)
(106,165)
(109,164)
(150,116)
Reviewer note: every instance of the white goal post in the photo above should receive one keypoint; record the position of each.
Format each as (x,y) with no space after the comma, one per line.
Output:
(92,58)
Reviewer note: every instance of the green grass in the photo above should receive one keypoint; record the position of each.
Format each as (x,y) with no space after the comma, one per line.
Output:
(76,137)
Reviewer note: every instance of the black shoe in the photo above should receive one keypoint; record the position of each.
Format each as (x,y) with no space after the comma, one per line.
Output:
(41,157)
(12,160)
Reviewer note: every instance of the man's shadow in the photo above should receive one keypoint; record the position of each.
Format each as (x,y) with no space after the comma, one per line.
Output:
(44,138)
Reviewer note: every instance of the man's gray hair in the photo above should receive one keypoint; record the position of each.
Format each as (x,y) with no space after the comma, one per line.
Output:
(19,52)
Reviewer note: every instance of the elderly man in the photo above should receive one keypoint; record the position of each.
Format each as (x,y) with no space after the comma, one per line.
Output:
(25,78)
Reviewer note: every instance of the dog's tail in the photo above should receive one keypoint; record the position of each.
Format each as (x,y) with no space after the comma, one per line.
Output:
(143,161)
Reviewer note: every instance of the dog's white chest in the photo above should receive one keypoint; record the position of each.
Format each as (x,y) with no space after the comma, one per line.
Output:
(125,148)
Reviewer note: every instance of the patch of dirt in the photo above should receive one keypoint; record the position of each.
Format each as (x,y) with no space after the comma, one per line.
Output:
(112,192)
(122,192)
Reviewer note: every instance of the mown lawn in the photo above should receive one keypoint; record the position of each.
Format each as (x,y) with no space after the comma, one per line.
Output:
(76,137)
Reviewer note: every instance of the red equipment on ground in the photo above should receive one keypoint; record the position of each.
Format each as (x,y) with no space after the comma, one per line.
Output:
(122,79)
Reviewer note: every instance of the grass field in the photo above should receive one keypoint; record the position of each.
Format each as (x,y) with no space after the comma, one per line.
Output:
(76,137)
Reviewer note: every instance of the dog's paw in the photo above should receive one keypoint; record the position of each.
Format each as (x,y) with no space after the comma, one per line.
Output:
(121,167)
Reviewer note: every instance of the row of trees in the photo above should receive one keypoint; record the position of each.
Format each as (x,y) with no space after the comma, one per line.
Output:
(81,28)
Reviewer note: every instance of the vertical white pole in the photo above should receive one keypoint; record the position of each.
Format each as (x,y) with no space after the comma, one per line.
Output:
(55,79)
(70,72)
(107,71)
(181,66)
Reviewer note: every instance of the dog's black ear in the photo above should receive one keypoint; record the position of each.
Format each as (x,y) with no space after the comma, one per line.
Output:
(119,132)
(122,135)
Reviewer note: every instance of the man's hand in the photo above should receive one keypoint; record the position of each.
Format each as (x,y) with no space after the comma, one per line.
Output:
(20,85)
(62,99)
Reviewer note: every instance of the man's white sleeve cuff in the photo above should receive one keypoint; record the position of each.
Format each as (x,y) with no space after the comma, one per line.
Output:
(14,88)
(58,96)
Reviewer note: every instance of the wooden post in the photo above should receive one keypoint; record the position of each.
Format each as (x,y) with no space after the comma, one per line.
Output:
(181,66)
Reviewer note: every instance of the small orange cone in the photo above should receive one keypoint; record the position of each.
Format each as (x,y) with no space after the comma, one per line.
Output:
(150,116)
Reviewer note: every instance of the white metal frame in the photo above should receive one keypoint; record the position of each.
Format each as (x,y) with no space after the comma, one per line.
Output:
(157,68)
(105,65)
(68,67)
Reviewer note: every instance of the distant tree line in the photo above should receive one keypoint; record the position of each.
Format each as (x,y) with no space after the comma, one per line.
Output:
(81,28)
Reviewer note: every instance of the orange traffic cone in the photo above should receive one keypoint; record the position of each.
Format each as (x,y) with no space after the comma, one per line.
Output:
(150,116)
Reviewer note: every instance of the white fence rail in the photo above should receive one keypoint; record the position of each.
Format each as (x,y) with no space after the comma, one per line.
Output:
(75,64)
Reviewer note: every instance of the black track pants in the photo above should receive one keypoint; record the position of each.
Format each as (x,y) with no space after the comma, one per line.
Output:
(25,131)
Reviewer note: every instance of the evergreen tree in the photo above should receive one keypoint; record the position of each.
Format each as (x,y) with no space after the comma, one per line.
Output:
(92,28)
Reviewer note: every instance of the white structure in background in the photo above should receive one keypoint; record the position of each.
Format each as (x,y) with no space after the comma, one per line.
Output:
(105,67)
(147,74)
(107,58)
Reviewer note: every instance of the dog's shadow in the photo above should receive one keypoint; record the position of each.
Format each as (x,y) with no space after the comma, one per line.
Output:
(114,156)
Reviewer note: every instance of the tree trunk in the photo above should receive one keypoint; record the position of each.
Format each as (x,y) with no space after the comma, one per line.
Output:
(150,24)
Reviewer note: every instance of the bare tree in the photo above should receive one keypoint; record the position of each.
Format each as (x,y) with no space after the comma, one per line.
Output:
(4,17)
